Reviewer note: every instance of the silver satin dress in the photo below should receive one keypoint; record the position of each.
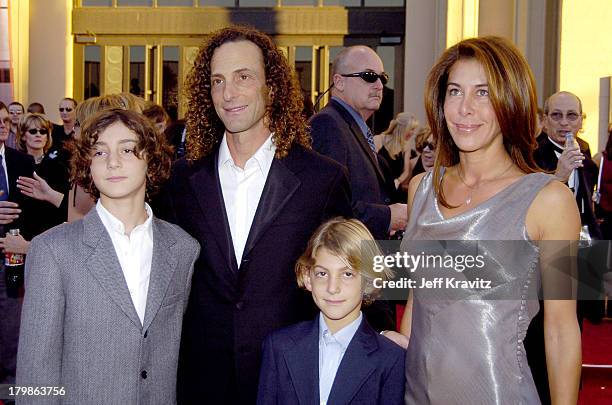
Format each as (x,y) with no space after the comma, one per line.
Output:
(470,351)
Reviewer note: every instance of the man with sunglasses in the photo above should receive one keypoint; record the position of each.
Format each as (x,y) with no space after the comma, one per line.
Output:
(67,110)
(15,209)
(16,111)
(573,166)
(340,131)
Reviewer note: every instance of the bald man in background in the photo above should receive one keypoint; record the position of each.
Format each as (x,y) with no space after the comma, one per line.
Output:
(340,131)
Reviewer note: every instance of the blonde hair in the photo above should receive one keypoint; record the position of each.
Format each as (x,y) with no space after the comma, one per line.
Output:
(395,136)
(421,137)
(28,120)
(124,101)
(349,240)
(132,102)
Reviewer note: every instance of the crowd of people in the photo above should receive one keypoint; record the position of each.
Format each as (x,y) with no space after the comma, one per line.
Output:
(227,258)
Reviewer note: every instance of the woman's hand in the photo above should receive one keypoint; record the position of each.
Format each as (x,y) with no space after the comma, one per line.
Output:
(14,244)
(396,338)
(39,189)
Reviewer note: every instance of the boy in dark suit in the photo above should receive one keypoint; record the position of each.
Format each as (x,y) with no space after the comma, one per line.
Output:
(336,358)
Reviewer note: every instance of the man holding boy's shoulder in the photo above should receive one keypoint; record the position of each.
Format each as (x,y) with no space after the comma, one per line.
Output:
(105,295)
(336,358)
(252,192)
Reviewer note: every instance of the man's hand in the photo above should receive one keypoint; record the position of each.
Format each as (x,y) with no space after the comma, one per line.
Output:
(9,211)
(570,159)
(14,244)
(399,217)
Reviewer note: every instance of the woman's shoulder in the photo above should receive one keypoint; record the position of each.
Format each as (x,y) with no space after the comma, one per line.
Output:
(553,213)
(553,193)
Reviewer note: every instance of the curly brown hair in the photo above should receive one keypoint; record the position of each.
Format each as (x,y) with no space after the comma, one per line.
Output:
(151,146)
(283,112)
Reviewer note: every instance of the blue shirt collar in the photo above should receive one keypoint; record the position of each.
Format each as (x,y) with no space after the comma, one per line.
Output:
(344,335)
(356,116)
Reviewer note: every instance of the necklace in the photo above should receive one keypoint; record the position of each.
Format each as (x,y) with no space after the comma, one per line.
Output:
(474,187)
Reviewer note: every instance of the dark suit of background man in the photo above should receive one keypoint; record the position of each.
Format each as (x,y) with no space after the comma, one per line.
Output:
(339,131)
(15,209)
(573,166)
(251,192)
(562,114)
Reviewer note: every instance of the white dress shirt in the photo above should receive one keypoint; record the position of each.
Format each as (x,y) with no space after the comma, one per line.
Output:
(135,253)
(242,189)
(331,350)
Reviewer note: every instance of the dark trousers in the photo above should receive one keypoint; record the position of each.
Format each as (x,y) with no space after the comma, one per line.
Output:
(10,317)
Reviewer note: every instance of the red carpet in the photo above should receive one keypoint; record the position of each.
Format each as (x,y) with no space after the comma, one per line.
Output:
(596,350)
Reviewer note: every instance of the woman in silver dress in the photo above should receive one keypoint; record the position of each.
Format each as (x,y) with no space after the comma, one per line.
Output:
(481,106)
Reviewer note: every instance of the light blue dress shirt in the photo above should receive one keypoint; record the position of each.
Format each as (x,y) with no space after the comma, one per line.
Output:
(358,118)
(331,350)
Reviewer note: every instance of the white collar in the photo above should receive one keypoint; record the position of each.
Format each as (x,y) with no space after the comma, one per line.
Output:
(112,222)
(555,143)
(262,157)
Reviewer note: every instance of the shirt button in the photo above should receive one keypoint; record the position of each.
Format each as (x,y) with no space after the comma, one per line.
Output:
(239,305)
(143,374)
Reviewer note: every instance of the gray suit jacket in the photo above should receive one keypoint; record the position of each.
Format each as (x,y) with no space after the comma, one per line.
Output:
(79,327)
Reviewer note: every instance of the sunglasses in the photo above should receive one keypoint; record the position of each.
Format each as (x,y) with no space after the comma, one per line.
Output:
(369,76)
(558,116)
(430,145)
(67,109)
(34,131)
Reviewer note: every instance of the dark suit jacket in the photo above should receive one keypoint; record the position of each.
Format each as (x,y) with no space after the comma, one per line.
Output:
(371,371)
(20,164)
(546,158)
(232,307)
(336,134)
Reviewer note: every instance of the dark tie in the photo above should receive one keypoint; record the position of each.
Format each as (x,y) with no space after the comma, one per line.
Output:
(370,139)
(3,182)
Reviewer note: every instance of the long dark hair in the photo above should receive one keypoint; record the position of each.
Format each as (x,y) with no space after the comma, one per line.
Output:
(512,94)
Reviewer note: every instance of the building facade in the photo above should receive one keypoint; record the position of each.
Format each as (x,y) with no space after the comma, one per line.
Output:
(82,48)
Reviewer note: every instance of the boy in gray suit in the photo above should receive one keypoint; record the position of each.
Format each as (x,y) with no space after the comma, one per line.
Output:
(105,295)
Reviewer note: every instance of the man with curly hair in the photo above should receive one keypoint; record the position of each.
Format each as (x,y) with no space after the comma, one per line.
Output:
(252,192)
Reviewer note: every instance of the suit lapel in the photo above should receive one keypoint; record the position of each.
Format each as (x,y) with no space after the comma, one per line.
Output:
(280,186)
(358,134)
(163,265)
(206,187)
(355,366)
(104,265)
(303,365)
